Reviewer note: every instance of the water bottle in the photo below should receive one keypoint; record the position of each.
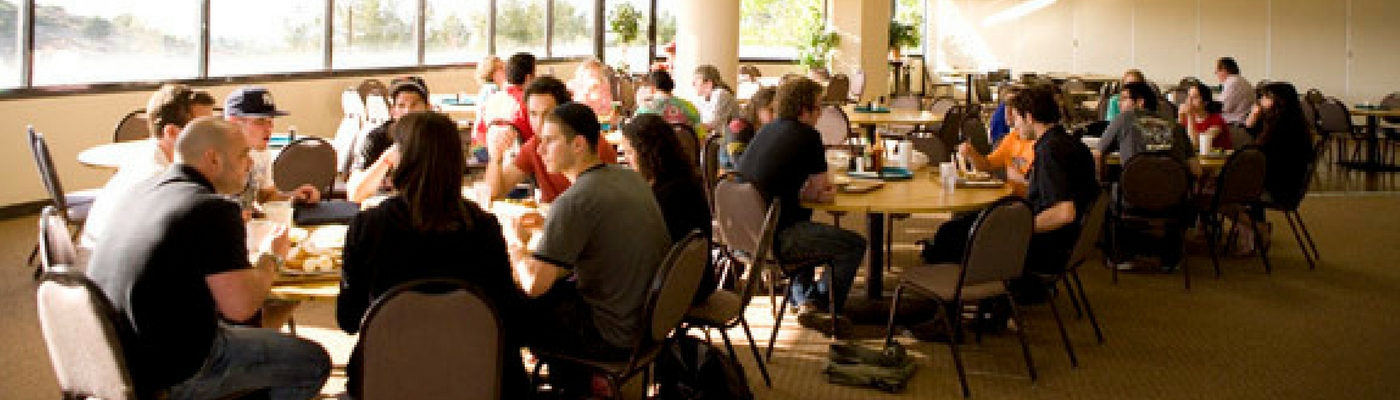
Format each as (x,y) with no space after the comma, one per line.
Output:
(291,134)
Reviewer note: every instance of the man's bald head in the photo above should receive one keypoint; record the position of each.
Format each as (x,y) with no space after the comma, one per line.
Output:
(203,134)
(218,150)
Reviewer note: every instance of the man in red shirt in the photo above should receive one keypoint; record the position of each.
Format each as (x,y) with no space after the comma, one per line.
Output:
(542,95)
(507,107)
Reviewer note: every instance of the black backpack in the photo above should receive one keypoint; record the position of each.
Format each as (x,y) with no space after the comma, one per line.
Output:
(690,369)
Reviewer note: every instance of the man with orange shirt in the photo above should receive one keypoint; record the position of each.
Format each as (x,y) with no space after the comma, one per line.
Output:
(1014,154)
(541,96)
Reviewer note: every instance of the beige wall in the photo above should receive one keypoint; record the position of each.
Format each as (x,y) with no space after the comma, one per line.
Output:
(1345,48)
(864,26)
(73,123)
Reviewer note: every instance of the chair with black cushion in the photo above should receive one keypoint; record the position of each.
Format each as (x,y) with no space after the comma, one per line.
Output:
(1290,204)
(1240,184)
(1090,229)
(668,300)
(837,90)
(747,232)
(73,207)
(306,161)
(431,339)
(690,142)
(976,133)
(1335,119)
(134,126)
(709,165)
(1154,186)
(996,254)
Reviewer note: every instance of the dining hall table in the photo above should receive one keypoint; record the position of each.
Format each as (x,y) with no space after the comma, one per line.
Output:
(870,120)
(922,194)
(1373,160)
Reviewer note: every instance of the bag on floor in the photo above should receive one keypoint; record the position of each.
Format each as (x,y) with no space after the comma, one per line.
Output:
(690,369)
(889,369)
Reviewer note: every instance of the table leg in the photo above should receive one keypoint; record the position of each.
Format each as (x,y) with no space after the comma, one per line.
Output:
(875,281)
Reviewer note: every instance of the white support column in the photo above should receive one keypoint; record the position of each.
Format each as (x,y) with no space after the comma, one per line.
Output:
(865,30)
(707,32)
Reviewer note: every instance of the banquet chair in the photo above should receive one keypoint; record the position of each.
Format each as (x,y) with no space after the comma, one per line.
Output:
(134,126)
(81,332)
(834,126)
(1240,183)
(996,254)
(347,134)
(689,141)
(1154,186)
(73,207)
(857,86)
(432,339)
(668,300)
(747,232)
(1334,119)
(837,90)
(1090,229)
(709,165)
(1290,204)
(307,161)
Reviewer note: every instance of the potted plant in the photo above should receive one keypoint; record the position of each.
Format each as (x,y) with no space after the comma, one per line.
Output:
(815,52)
(625,22)
(902,35)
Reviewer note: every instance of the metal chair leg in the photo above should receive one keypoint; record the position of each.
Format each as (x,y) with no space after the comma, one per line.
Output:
(758,358)
(777,323)
(1064,335)
(1083,296)
(894,309)
(1021,334)
(1307,254)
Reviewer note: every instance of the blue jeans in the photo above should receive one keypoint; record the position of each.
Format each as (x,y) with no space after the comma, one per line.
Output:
(244,359)
(807,240)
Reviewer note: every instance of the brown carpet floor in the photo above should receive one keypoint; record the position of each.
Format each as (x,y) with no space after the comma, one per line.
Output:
(1296,334)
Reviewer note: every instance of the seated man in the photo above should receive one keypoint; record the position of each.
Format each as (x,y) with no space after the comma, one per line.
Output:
(674,109)
(1013,153)
(379,154)
(169,109)
(541,96)
(1138,128)
(601,244)
(786,160)
(188,269)
(252,109)
(1062,185)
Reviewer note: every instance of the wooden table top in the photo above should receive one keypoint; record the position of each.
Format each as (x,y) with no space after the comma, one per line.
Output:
(921,195)
(1374,112)
(895,116)
(1208,162)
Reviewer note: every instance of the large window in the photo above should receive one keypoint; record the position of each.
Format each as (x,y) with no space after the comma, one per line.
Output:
(911,13)
(457,31)
(9,44)
(520,26)
(573,28)
(374,33)
(245,39)
(81,41)
(760,19)
(632,54)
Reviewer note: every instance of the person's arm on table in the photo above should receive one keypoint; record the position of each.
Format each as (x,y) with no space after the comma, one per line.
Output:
(240,293)
(500,177)
(364,183)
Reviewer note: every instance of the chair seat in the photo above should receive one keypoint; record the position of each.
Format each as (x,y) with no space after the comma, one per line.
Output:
(942,280)
(721,307)
(79,204)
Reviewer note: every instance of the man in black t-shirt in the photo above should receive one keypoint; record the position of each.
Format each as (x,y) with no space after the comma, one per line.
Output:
(786,160)
(176,262)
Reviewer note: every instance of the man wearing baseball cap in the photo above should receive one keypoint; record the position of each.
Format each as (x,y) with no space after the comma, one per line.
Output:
(252,109)
(379,154)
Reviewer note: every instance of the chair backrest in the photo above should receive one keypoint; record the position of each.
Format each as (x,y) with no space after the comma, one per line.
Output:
(857,85)
(690,142)
(135,125)
(1310,115)
(351,104)
(672,290)
(709,165)
(1334,117)
(942,104)
(432,339)
(47,172)
(307,161)
(998,242)
(1089,229)
(949,132)
(1391,101)
(834,126)
(81,331)
(1239,137)
(1154,182)
(371,86)
(376,109)
(346,143)
(56,250)
(976,133)
(907,102)
(741,226)
(837,90)
(1242,178)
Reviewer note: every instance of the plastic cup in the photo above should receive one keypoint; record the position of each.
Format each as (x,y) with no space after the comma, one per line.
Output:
(278,212)
(949,173)
(258,232)
(1204,142)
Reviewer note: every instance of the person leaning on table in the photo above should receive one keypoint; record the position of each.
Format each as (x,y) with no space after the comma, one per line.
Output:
(601,244)
(379,154)
(188,270)
(427,230)
(1014,154)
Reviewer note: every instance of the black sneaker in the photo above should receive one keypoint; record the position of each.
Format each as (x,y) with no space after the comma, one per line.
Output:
(822,322)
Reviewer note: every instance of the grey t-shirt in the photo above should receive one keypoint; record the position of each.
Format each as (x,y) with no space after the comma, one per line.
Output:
(1139,130)
(608,229)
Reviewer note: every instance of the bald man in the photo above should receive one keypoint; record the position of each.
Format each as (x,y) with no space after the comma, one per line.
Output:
(183,266)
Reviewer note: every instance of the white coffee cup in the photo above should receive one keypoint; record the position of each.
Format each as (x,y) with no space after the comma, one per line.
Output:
(1205,142)
(258,233)
(279,212)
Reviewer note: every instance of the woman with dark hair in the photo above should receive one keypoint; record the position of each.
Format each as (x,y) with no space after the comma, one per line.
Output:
(427,230)
(1282,132)
(651,148)
(1201,116)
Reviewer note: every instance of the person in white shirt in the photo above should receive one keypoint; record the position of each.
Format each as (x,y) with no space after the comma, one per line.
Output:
(252,109)
(1237,98)
(168,110)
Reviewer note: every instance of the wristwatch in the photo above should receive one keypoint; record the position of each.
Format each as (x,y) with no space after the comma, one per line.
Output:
(279,263)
